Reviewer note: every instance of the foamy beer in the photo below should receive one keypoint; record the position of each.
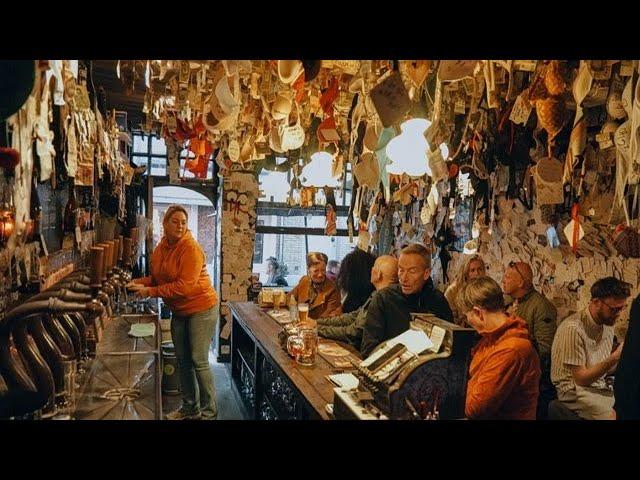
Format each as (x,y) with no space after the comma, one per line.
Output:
(278,296)
(303,312)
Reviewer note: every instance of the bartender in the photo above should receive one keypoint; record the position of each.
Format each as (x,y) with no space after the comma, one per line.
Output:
(317,290)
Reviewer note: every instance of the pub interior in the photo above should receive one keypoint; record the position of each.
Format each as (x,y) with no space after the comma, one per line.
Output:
(319,239)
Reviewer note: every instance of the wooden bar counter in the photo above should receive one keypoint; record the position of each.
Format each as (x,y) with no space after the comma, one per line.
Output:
(270,382)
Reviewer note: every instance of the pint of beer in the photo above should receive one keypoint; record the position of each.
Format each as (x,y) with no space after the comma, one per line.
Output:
(303,311)
(278,297)
(309,340)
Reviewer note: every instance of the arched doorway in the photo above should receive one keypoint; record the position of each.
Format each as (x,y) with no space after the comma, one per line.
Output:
(202,217)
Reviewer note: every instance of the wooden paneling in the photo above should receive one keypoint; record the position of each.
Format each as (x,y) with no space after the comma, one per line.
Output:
(311,382)
(104,74)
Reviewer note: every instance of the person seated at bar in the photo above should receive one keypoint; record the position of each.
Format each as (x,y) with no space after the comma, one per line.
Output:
(333,270)
(581,353)
(353,279)
(348,326)
(505,369)
(627,382)
(317,290)
(540,315)
(274,273)
(473,267)
(390,315)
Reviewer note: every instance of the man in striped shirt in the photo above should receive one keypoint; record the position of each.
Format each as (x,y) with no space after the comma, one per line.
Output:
(581,352)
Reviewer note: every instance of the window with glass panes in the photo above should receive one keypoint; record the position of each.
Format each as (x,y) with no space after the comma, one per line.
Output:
(289,233)
(150,151)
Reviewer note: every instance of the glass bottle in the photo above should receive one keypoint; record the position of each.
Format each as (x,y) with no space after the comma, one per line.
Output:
(293,309)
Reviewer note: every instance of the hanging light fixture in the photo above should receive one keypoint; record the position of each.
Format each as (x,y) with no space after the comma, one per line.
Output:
(317,173)
(408,151)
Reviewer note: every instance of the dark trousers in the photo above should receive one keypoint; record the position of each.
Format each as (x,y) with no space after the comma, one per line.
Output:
(547,390)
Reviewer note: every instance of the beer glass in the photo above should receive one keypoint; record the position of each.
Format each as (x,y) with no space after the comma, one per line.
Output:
(277,298)
(309,340)
(303,312)
(293,311)
(295,345)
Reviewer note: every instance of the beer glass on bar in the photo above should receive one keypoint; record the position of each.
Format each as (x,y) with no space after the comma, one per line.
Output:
(277,298)
(303,312)
(309,341)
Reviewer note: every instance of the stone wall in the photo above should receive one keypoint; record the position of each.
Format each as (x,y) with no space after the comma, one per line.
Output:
(238,221)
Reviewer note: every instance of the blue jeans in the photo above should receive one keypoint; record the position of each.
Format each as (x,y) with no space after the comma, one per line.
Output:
(192,337)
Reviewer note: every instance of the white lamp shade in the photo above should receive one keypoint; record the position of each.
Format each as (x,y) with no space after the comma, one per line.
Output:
(408,151)
(317,173)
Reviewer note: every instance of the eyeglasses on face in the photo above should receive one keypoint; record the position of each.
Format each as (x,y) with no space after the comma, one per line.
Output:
(614,309)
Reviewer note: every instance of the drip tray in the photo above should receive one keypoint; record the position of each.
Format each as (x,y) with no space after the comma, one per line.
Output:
(116,339)
(121,387)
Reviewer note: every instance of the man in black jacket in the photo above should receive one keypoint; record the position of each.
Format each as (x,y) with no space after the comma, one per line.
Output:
(390,311)
(347,327)
(627,382)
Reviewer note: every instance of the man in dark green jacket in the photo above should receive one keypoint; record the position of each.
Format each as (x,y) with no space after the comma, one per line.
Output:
(348,326)
(540,315)
(389,313)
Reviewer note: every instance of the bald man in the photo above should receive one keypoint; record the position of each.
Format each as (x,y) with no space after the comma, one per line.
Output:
(540,315)
(348,327)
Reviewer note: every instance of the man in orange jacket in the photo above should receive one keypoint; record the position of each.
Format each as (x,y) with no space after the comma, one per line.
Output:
(505,369)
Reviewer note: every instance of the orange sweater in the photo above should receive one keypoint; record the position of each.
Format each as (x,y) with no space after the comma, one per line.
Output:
(504,375)
(179,275)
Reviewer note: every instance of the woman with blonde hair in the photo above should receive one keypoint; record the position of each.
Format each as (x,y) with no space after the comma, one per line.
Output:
(179,275)
(473,267)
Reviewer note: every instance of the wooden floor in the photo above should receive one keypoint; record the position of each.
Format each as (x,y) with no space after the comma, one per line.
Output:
(229,404)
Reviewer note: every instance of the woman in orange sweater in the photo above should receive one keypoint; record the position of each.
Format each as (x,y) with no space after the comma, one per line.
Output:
(179,276)
(505,370)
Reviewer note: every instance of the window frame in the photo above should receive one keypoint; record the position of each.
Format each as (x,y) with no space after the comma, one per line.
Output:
(281,209)
(149,156)
(148,153)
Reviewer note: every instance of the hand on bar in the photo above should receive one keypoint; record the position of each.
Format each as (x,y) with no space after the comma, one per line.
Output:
(134,286)
(142,292)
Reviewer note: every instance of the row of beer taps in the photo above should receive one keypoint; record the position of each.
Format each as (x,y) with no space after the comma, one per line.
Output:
(46,342)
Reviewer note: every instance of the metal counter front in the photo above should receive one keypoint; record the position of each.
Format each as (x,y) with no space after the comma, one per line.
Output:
(123,381)
(271,383)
